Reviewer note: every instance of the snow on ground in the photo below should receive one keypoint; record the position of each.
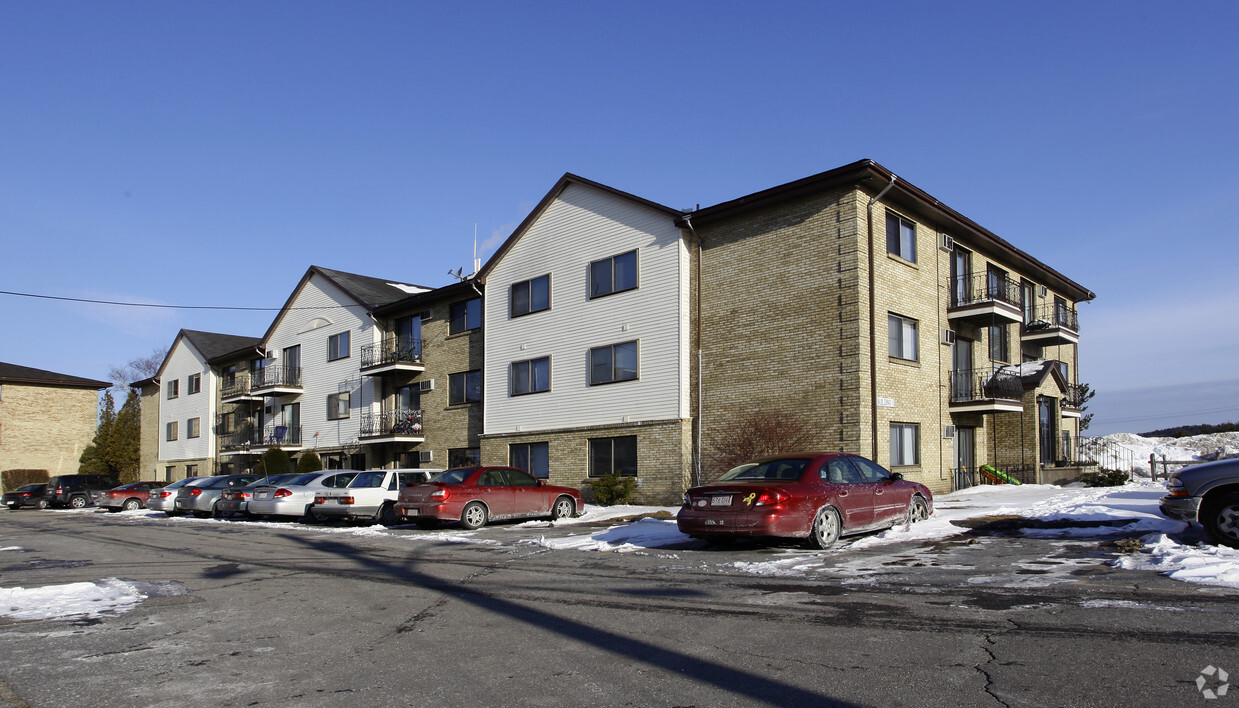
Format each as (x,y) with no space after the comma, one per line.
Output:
(1198,448)
(86,600)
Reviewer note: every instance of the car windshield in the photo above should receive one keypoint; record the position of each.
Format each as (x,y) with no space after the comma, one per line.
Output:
(454,476)
(304,479)
(368,479)
(785,470)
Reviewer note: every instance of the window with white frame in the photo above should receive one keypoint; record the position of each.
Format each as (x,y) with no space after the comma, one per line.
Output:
(612,363)
(613,275)
(900,237)
(530,296)
(905,444)
(464,387)
(193,427)
(193,384)
(338,405)
(338,346)
(531,376)
(901,335)
(534,458)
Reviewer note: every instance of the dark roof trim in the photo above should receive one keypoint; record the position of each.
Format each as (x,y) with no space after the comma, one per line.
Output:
(14,373)
(413,302)
(558,189)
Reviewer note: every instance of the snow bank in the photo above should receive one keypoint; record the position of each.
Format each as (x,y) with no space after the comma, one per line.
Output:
(1197,448)
(86,600)
(1211,565)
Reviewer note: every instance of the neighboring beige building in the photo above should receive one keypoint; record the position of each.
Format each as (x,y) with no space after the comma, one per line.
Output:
(46,419)
(148,434)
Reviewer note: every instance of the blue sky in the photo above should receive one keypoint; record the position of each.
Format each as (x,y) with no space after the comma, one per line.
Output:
(208,153)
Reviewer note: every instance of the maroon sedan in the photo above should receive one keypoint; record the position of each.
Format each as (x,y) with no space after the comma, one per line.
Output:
(127,496)
(476,495)
(818,496)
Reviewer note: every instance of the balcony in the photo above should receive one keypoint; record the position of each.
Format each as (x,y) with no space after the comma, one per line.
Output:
(236,389)
(983,297)
(393,354)
(285,436)
(1052,324)
(986,391)
(1072,404)
(276,381)
(239,442)
(392,426)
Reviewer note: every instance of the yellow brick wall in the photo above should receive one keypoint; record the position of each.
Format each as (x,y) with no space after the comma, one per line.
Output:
(46,427)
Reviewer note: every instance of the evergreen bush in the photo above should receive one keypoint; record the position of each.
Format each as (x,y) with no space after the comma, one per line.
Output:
(309,462)
(612,489)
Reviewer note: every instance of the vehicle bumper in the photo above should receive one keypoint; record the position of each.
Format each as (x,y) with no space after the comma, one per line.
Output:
(278,508)
(350,511)
(442,512)
(1181,508)
(772,521)
(233,507)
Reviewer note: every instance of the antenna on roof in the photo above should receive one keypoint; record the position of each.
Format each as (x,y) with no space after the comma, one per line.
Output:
(477,263)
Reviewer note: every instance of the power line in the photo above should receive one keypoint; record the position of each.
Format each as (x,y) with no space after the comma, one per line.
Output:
(1167,415)
(172,307)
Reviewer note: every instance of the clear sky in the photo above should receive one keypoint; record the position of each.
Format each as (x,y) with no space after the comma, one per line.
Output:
(208,153)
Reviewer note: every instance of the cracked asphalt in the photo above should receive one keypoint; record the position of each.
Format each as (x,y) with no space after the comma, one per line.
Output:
(293,616)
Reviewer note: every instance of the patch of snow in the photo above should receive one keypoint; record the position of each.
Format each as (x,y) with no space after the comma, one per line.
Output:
(1210,565)
(85,600)
(11,548)
(638,536)
(410,289)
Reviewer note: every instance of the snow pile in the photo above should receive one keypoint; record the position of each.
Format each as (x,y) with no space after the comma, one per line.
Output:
(1196,448)
(109,596)
(1211,565)
(637,536)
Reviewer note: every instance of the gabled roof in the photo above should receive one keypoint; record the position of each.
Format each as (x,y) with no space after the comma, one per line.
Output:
(210,345)
(550,197)
(1034,373)
(420,300)
(12,373)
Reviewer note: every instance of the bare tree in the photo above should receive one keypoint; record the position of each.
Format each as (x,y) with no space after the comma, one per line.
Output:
(752,435)
(137,369)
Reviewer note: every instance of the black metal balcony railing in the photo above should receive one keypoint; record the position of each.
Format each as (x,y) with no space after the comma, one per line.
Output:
(985,384)
(237,385)
(1058,315)
(281,435)
(1074,396)
(984,287)
(273,376)
(392,350)
(396,422)
(245,437)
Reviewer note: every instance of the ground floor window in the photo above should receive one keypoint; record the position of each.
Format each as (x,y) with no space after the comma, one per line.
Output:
(905,444)
(464,457)
(616,456)
(534,458)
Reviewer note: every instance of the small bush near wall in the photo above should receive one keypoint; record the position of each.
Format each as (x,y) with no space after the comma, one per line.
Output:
(612,489)
(1107,478)
(309,462)
(274,461)
(12,479)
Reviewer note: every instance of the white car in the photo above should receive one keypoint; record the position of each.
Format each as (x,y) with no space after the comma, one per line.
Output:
(164,499)
(371,495)
(295,498)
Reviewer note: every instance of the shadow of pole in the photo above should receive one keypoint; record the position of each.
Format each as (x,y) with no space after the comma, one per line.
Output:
(722,676)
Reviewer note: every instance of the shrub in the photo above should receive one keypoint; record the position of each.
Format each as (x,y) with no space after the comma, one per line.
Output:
(755,434)
(612,489)
(12,479)
(274,461)
(309,462)
(1108,478)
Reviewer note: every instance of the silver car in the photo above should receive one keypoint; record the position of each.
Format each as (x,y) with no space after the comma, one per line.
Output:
(202,499)
(165,499)
(295,498)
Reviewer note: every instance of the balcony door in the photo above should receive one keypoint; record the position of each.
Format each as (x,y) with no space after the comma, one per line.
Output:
(961,369)
(1027,302)
(408,333)
(408,398)
(961,275)
(965,456)
(290,417)
(1046,432)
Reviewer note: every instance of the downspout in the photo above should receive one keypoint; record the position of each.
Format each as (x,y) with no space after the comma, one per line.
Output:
(873,327)
(697,444)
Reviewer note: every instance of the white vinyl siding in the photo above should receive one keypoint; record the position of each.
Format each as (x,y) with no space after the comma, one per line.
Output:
(581,226)
(183,362)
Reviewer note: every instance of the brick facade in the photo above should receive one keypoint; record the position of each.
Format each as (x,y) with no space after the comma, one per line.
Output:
(46,427)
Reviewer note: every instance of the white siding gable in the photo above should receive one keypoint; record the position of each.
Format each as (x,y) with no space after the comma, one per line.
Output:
(183,361)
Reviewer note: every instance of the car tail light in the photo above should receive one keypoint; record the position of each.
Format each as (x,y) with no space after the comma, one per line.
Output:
(441,494)
(195,492)
(771,497)
(282,493)
(60,490)
(346,500)
(320,500)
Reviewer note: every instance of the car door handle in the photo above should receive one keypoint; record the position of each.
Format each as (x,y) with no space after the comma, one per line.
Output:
(843,494)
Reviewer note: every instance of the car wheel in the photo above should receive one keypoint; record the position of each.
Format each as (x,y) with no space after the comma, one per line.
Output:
(474,516)
(825,529)
(386,515)
(132,505)
(1221,520)
(217,513)
(563,508)
(918,510)
(41,504)
(77,502)
(426,524)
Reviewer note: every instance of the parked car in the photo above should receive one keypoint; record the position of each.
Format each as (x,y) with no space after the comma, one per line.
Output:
(202,499)
(475,496)
(128,497)
(295,497)
(75,490)
(371,495)
(165,499)
(236,500)
(1207,494)
(29,495)
(816,496)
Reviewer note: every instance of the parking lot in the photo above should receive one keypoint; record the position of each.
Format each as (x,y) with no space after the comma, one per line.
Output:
(238,613)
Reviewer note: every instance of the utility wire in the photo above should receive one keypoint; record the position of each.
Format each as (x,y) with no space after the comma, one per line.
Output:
(173,307)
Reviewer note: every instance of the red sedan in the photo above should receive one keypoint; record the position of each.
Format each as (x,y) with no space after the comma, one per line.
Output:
(477,495)
(818,496)
(127,496)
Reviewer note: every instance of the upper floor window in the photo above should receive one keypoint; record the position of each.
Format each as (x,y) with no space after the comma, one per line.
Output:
(193,383)
(531,296)
(901,335)
(900,237)
(465,387)
(338,405)
(998,344)
(465,315)
(613,275)
(174,389)
(193,427)
(338,346)
(616,362)
(531,376)
(171,431)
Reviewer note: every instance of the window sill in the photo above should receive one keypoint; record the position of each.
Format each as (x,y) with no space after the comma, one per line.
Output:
(913,363)
(900,259)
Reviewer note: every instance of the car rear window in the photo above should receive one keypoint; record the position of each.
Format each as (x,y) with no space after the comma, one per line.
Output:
(782,470)
(367,479)
(454,476)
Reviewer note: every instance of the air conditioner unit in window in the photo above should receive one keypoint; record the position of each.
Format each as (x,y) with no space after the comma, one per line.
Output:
(948,432)
(425,455)
(945,242)
(948,336)
(427,385)
(1042,290)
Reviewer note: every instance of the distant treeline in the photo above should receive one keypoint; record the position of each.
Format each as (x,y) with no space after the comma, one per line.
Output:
(1184,431)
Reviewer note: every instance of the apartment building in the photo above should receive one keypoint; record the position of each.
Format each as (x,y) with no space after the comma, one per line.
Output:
(46,419)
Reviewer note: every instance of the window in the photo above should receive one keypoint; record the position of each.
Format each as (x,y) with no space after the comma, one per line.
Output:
(193,384)
(171,432)
(531,376)
(174,389)
(191,470)
(905,444)
(617,362)
(534,458)
(292,359)
(465,315)
(996,284)
(338,405)
(613,275)
(169,471)
(616,456)
(337,346)
(1065,370)
(901,333)
(464,457)
(465,387)
(531,296)
(193,427)
(998,342)
(900,237)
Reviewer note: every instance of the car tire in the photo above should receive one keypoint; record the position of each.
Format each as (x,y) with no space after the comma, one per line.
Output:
(474,516)
(825,529)
(217,513)
(1221,520)
(563,508)
(918,510)
(78,501)
(41,504)
(386,515)
(132,505)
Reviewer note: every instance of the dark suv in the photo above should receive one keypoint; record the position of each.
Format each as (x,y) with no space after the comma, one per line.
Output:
(75,490)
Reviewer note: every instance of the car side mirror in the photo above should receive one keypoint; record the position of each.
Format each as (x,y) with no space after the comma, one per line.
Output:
(896,476)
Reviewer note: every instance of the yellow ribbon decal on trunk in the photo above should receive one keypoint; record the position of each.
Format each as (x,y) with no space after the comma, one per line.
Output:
(749,499)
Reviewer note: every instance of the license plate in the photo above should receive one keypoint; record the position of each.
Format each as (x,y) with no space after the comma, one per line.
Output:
(714,522)
(721,501)
(409,512)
